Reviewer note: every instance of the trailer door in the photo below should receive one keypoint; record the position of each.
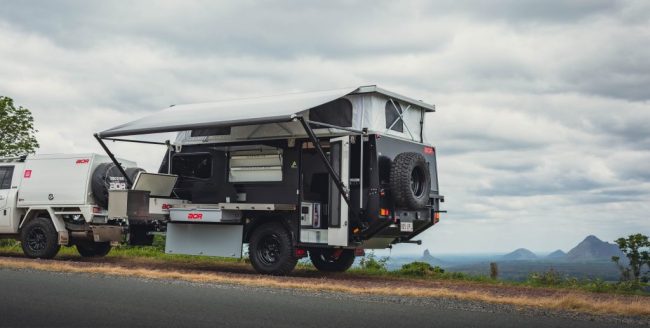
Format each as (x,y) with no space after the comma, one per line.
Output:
(337,231)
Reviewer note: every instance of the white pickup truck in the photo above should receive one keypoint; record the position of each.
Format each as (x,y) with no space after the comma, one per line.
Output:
(51,200)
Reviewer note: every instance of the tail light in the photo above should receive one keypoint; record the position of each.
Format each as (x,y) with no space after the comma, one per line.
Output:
(97,210)
(300,252)
(384,212)
(166,206)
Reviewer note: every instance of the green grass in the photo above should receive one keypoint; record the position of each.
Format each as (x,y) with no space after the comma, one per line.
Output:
(370,266)
(156,252)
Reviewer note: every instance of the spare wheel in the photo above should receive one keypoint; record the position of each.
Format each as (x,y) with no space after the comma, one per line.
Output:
(107,176)
(410,181)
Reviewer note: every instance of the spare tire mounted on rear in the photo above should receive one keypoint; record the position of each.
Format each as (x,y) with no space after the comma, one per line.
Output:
(410,181)
(106,177)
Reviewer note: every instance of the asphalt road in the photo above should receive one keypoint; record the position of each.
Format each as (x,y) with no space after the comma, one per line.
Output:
(35,298)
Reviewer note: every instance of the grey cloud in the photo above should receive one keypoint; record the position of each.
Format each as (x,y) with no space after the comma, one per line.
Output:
(542,106)
(524,185)
(530,11)
(477,142)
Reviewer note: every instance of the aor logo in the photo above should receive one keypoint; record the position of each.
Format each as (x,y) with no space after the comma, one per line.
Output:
(195,216)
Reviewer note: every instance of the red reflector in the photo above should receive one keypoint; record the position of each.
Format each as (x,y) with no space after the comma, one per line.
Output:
(83,161)
(28,174)
(195,216)
(301,252)
(384,212)
(359,252)
(429,150)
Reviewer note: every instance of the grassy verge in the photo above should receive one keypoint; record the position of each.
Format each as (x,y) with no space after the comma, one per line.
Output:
(370,266)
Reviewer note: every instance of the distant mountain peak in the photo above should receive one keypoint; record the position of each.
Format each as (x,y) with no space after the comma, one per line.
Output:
(556,254)
(592,238)
(520,254)
(592,248)
(428,258)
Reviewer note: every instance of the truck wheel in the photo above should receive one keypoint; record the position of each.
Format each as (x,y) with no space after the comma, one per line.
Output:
(326,260)
(271,250)
(39,239)
(410,180)
(93,249)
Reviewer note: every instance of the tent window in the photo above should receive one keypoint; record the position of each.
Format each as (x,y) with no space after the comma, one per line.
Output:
(337,112)
(192,166)
(393,120)
(220,131)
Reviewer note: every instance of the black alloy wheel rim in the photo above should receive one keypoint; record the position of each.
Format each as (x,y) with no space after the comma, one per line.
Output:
(36,239)
(269,250)
(327,257)
(416,182)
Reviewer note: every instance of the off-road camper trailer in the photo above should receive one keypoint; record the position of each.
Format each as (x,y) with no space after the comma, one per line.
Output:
(324,174)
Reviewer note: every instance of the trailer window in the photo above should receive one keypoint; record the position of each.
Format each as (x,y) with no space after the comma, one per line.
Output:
(255,166)
(192,166)
(393,116)
(6,173)
(337,112)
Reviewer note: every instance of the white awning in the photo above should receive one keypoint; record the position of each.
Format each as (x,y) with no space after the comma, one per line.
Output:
(237,112)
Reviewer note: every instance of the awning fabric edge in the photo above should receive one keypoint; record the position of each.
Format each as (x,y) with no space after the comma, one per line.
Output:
(238,112)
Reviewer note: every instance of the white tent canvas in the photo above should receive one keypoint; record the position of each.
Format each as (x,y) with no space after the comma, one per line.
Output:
(370,107)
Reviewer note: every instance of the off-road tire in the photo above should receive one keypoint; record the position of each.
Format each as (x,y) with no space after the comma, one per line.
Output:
(93,249)
(410,181)
(323,259)
(271,250)
(39,239)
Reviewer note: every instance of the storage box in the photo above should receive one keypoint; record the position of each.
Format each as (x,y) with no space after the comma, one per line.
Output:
(128,204)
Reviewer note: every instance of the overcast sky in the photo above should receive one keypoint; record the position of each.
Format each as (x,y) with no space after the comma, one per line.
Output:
(543,121)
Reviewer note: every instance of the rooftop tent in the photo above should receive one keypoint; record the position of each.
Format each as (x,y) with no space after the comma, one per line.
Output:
(369,107)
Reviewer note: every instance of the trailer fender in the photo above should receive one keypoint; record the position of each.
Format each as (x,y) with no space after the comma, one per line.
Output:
(57,221)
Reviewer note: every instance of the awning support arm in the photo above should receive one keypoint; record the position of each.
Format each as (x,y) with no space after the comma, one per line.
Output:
(137,141)
(113,159)
(331,126)
(337,179)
